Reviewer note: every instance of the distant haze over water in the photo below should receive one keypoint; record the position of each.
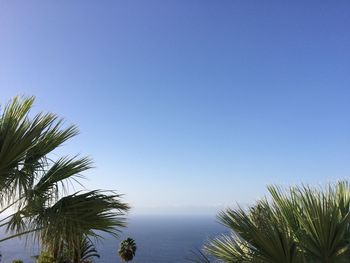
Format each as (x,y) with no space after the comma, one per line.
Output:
(159,239)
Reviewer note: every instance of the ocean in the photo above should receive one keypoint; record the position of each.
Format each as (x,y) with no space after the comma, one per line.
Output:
(159,239)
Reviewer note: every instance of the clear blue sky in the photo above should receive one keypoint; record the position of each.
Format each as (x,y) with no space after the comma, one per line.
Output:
(188,104)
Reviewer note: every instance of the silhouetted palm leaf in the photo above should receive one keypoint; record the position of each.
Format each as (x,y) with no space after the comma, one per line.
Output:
(87,250)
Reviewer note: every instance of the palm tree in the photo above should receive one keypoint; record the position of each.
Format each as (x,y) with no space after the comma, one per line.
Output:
(300,225)
(36,186)
(127,249)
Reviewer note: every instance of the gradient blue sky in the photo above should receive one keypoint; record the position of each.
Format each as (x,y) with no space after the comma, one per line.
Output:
(189,105)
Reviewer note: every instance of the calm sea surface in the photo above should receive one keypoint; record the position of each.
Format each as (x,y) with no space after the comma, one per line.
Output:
(160,239)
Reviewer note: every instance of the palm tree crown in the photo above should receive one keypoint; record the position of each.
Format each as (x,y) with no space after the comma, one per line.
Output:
(127,249)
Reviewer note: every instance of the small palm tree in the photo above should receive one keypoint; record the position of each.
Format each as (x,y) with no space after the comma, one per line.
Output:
(127,249)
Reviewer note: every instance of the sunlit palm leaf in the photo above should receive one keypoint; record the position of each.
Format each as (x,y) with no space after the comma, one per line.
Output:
(81,214)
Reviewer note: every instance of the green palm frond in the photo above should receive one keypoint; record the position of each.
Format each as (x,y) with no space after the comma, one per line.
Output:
(230,249)
(322,226)
(77,215)
(266,231)
(53,179)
